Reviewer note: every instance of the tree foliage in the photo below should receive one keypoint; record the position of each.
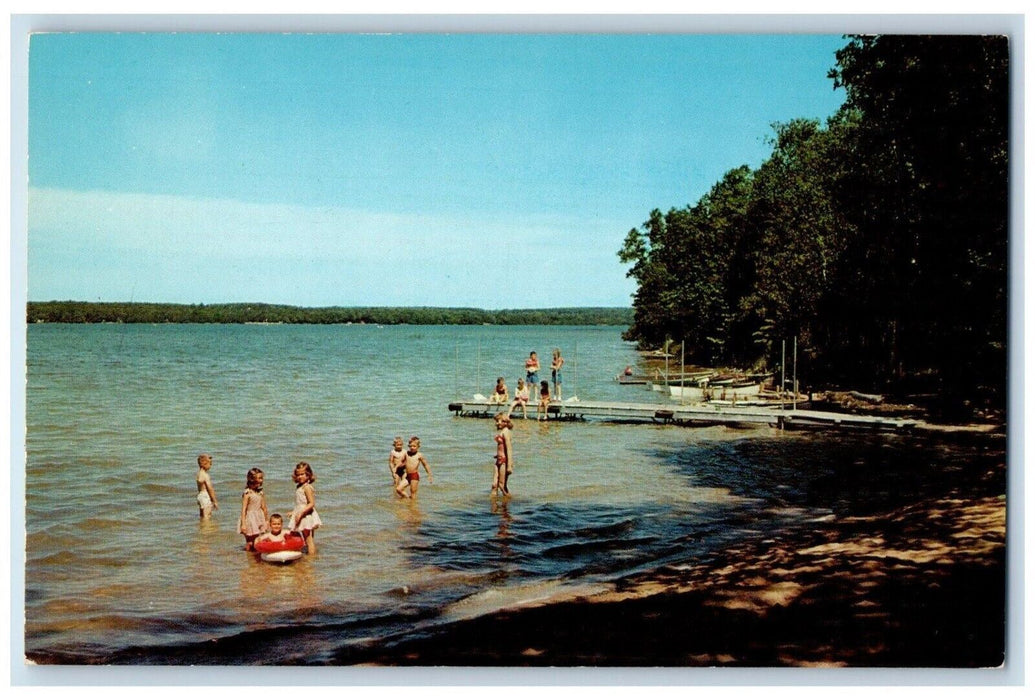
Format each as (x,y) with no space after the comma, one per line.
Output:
(877,239)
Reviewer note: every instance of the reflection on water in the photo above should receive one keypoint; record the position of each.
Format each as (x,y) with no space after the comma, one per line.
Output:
(410,514)
(275,588)
(500,509)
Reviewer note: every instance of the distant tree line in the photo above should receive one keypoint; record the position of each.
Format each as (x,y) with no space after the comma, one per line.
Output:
(879,239)
(138,312)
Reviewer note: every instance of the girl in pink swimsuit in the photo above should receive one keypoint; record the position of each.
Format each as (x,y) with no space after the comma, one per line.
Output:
(504,466)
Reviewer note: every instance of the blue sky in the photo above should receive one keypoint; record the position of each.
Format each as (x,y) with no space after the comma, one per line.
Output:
(485,170)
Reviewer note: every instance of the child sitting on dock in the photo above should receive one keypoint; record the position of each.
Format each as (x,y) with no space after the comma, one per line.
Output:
(544,400)
(500,394)
(276,532)
(520,399)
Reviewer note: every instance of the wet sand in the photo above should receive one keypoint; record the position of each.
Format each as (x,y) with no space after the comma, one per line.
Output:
(919,586)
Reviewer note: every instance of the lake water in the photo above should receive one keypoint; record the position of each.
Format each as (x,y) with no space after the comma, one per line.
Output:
(119,568)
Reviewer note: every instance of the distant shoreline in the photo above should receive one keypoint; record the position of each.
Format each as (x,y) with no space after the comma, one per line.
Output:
(272,314)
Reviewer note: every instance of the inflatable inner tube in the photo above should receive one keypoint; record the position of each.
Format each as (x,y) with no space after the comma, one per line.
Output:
(293,542)
(284,557)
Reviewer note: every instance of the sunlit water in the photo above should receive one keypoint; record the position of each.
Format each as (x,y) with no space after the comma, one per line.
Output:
(119,567)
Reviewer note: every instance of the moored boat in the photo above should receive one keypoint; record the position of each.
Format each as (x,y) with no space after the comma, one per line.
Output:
(705,391)
(660,382)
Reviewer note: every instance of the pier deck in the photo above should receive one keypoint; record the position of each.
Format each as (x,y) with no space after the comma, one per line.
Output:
(691,414)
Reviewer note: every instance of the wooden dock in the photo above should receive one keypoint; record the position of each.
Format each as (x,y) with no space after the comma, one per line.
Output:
(692,414)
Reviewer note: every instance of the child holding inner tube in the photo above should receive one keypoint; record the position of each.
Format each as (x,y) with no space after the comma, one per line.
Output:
(253,508)
(304,518)
(276,532)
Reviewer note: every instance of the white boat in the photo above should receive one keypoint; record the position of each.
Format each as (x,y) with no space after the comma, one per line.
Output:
(724,392)
(661,382)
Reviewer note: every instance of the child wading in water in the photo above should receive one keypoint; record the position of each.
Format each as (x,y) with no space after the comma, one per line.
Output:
(396,459)
(412,461)
(276,532)
(253,509)
(304,518)
(206,494)
(504,458)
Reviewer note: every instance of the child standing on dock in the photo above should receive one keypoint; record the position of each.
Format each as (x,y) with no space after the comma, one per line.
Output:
(253,509)
(395,460)
(413,461)
(532,370)
(544,400)
(304,518)
(206,493)
(555,371)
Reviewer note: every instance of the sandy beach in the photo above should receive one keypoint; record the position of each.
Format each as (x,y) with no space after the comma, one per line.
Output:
(919,586)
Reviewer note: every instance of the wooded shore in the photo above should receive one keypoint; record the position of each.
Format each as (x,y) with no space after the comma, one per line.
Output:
(140,312)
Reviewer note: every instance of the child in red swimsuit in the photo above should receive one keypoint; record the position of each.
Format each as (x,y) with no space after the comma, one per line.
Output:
(504,466)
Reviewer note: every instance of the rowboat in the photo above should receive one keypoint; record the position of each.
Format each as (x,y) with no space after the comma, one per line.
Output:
(661,383)
(704,391)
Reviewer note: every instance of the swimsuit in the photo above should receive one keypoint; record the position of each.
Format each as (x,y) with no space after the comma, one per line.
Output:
(397,458)
(204,501)
(531,372)
(501,452)
(415,474)
(556,371)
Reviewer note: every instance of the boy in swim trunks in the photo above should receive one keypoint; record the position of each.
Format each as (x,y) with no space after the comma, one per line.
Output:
(413,461)
(206,493)
(532,370)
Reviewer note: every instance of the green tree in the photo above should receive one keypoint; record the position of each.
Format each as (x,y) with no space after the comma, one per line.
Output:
(928,191)
(798,237)
(652,311)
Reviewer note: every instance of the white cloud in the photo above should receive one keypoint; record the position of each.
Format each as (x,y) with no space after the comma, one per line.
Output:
(388,258)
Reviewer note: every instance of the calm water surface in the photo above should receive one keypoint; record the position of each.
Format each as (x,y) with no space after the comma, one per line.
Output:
(119,568)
